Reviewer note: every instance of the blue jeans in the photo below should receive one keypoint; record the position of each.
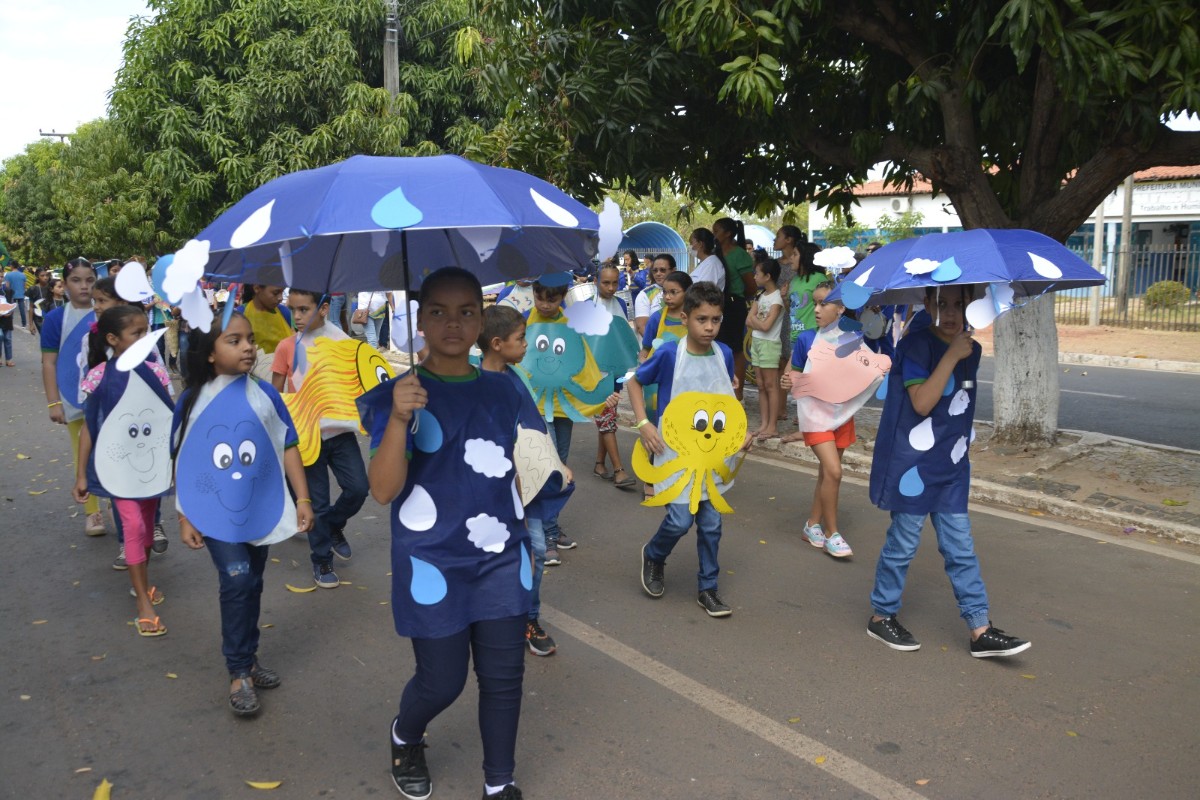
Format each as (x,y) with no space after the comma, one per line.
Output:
(21,301)
(537,540)
(371,331)
(498,649)
(708,539)
(6,340)
(240,569)
(560,433)
(337,302)
(340,454)
(958,551)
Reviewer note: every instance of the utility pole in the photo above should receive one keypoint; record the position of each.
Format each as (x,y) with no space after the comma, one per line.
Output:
(392,36)
(1097,264)
(48,134)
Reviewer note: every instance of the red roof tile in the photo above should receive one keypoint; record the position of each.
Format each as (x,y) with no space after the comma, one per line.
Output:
(922,186)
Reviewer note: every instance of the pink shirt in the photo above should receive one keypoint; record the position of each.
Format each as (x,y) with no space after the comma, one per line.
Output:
(96,373)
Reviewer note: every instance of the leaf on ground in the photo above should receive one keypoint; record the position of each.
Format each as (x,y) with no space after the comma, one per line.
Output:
(1037,513)
(172,675)
(53,461)
(383,602)
(298,590)
(264,784)
(819,760)
(40,491)
(793,720)
(363,588)
(770,498)
(762,541)
(1072,733)
(40,622)
(922,781)
(26,697)
(100,657)
(1169,502)
(267,625)
(274,560)
(103,791)
(1030,677)
(346,583)
(22,457)
(81,770)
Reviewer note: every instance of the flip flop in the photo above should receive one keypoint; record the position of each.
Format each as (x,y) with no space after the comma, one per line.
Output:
(626,482)
(156,597)
(159,628)
(604,476)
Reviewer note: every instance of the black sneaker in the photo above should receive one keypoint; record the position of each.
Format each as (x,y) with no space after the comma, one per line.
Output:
(539,641)
(510,792)
(160,542)
(565,543)
(409,772)
(712,604)
(341,548)
(889,631)
(994,642)
(653,579)
(552,559)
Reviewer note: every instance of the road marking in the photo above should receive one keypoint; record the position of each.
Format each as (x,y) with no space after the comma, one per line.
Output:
(1079,391)
(787,739)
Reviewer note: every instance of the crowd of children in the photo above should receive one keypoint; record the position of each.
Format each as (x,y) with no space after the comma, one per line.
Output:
(244,477)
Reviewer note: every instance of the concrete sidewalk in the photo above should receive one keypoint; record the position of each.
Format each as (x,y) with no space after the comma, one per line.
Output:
(1116,485)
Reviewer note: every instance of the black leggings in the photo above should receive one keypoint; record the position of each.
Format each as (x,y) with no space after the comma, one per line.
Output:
(498,649)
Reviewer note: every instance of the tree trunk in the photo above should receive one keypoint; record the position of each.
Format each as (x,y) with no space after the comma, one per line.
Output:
(1025,394)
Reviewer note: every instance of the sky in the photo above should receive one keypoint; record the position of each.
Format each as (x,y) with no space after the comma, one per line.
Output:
(59,60)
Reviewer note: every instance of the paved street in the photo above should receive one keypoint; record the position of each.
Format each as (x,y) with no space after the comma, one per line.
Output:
(645,698)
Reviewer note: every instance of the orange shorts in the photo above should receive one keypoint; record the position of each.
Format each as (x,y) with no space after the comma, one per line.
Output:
(843,437)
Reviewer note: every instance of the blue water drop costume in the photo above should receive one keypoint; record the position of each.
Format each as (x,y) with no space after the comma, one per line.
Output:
(445,571)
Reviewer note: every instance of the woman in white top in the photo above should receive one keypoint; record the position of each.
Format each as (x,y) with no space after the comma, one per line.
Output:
(372,308)
(711,268)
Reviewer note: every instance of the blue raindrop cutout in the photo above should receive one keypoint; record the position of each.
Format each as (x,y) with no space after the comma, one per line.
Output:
(394,211)
(881,392)
(951,385)
(911,484)
(855,296)
(428,436)
(159,273)
(526,569)
(948,270)
(849,325)
(428,584)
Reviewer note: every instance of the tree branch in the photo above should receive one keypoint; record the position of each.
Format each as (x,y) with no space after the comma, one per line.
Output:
(1044,136)
(885,29)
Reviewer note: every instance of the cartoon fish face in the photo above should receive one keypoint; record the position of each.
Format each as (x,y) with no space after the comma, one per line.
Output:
(132,450)
(229,474)
(555,354)
(373,368)
(837,377)
(707,427)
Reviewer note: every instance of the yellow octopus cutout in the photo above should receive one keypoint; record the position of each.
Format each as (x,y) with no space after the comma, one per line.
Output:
(704,430)
(338,373)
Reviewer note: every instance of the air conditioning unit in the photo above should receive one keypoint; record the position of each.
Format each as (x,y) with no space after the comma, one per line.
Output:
(901,204)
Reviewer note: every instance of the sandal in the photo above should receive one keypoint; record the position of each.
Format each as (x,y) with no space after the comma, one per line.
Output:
(244,700)
(602,475)
(158,630)
(624,483)
(264,677)
(156,597)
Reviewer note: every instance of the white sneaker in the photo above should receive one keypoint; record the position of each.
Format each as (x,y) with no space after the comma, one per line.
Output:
(836,546)
(814,534)
(94,525)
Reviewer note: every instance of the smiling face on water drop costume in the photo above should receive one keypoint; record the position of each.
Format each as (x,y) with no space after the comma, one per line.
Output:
(132,450)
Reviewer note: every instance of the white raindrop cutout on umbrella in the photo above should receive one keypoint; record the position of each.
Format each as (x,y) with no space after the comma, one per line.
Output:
(556,213)
(253,228)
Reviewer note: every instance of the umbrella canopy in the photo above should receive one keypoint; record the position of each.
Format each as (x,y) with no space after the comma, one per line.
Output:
(1026,262)
(375,222)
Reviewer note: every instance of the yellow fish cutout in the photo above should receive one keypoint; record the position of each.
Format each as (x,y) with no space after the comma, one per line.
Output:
(338,373)
(703,431)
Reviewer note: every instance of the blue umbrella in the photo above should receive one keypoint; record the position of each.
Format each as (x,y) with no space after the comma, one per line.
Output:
(1028,263)
(374,222)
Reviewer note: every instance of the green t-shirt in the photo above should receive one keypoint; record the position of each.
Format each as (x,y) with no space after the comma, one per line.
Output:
(737,261)
(801,308)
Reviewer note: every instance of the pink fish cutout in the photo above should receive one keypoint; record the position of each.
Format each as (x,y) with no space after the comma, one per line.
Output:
(839,379)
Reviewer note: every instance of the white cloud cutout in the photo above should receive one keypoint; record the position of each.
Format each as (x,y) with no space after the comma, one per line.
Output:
(835,258)
(920,266)
(487,533)
(960,402)
(186,270)
(486,458)
(588,319)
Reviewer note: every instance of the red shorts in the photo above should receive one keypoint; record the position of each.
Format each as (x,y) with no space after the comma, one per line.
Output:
(843,437)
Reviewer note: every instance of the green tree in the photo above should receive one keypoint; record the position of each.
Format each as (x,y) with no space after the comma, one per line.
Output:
(1026,113)
(33,228)
(224,95)
(901,226)
(110,204)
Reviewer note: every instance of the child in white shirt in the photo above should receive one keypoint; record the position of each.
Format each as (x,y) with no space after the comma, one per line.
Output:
(765,321)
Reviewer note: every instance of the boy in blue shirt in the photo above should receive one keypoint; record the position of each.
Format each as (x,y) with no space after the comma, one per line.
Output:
(920,467)
(697,363)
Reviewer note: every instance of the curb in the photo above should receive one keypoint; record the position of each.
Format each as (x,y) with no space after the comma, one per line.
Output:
(996,494)
(1127,362)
